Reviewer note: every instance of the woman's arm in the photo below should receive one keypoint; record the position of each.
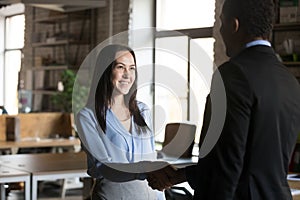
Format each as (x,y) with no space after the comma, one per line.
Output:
(146,114)
(90,136)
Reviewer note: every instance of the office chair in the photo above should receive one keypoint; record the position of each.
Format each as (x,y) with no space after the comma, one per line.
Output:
(178,193)
(4,111)
(179,140)
(178,143)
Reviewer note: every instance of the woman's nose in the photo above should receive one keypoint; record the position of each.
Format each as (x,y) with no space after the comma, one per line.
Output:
(125,73)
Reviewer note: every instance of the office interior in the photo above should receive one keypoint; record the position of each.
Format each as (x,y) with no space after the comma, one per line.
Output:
(46,46)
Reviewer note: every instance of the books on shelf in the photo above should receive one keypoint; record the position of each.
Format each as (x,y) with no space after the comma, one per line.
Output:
(289,11)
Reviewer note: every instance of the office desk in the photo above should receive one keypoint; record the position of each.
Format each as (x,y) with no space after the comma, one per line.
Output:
(47,166)
(295,185)
(10,175)
(19,167)
(13,146)
(181,162)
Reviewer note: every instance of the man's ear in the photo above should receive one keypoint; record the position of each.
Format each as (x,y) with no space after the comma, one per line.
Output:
(235,25)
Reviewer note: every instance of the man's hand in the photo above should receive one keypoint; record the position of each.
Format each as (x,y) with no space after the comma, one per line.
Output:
(165,177)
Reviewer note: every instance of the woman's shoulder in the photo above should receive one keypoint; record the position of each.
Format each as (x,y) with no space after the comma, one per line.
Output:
(142,106)
(85,112)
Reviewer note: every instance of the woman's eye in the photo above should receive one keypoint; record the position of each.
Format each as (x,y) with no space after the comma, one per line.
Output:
(119,67)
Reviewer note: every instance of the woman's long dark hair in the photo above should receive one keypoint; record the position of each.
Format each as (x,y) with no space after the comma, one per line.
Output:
(103,95)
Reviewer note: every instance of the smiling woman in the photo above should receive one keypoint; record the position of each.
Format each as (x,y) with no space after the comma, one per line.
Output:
(116,129)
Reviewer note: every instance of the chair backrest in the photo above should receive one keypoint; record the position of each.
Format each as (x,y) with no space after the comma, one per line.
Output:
(179,140)
(3,110)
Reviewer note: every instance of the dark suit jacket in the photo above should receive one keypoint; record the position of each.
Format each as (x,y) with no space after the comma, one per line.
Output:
(250,159)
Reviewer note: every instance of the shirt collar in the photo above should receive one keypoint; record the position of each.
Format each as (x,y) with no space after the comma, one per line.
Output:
(258,42)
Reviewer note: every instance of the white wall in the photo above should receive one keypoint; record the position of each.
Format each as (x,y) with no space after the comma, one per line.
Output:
(141,40)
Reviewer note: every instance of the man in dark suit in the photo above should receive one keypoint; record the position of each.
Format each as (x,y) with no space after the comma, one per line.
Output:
(250,158)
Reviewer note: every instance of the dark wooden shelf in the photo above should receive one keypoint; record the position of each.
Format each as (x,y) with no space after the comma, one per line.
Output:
(62,18)
(52,19)
(292,64)
(50,67)
(44,92)
(57,43)
(295,26)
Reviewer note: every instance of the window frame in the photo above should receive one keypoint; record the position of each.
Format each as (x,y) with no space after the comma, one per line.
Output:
(6,50)
(192,33)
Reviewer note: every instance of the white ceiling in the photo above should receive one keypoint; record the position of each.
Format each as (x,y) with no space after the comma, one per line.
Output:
(12,10)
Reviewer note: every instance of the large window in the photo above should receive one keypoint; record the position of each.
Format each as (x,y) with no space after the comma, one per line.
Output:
(183,51)
(184,14)
(13,44)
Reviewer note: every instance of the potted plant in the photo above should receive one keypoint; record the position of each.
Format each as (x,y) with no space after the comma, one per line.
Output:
(63,99)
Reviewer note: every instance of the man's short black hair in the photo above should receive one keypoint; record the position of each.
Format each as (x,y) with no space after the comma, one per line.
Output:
(255,16)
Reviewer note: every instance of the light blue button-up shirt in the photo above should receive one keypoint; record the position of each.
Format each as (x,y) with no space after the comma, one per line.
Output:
(117,145)
(258,42)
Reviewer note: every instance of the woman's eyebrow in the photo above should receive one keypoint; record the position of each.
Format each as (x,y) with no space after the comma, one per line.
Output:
(125,64)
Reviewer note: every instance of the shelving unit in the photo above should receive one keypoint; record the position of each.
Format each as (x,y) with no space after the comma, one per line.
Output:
(288,28)
(60,42)
(292,26)
(289,31)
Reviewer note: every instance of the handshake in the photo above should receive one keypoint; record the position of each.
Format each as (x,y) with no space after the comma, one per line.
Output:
(159,174)
(165,177)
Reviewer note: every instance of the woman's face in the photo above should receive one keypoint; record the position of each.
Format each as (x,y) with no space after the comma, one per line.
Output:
(123,73)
